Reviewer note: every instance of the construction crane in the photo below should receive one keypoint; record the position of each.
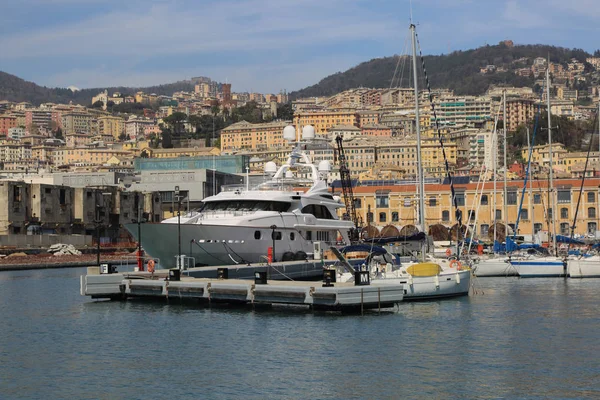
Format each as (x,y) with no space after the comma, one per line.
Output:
(347,191)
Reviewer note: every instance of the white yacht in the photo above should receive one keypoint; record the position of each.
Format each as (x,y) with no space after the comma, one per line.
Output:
(494,266)
(287,213)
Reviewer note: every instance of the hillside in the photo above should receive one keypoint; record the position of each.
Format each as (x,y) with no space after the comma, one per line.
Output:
(14,88)
(459,71)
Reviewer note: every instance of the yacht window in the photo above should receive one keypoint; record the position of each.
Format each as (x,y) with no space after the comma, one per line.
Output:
(319,211)
(308,235)
(257,235)
(276,235)
(292,236)
(246,205)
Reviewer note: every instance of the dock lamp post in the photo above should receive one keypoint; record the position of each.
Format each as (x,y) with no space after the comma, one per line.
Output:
(178,227)
(140,220)
(98,222)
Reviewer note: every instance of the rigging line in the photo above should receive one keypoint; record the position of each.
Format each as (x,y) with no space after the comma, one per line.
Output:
(535,128)
(204,250)
(458,213)
(229,249)
(587,159)
(401,58)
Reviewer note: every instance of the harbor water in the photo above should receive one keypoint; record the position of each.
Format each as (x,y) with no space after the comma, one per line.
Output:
(520,338)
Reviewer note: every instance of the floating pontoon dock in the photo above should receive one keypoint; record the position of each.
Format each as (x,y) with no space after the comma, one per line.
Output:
(169,284)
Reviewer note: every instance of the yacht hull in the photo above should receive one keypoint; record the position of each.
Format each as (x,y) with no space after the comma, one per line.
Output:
(215,244)
(584,267)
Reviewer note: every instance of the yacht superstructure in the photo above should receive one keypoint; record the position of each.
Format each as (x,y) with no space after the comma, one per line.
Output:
(288,213)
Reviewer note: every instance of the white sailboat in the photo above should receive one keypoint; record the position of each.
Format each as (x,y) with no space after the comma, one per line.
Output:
(532,265)
(431,278)
(497,265)
(586,266)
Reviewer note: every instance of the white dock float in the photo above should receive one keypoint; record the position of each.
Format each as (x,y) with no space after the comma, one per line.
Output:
(337,296)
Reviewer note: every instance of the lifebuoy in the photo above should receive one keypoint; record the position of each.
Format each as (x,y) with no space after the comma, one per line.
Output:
(151,266)
(448,252)
(455,264)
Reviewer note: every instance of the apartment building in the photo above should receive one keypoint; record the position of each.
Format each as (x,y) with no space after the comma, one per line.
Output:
(519,112)
(463,110)
(246,136)
(110,125)
(78,122)
(7,121)
(323,120)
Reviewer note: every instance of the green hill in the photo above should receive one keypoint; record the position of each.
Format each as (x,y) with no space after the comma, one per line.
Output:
(459,71)
(14,88)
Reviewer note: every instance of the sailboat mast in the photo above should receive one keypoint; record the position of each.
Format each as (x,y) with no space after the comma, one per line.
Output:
(420,177)
(551,176)
(495,162)
(505,212)
(531,206)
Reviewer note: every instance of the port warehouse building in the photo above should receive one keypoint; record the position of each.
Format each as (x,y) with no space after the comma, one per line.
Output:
(397,204)
(65,203)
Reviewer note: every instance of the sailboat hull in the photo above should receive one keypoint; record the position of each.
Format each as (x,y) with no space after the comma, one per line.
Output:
(494,267)
(540,268)
(446,284)
(584,267)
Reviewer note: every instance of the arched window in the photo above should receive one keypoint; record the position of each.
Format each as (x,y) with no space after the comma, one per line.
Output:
(564,212)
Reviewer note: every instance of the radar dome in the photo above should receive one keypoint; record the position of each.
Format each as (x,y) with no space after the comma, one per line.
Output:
(289,133)
(324,166)
(308,132)
(270,167)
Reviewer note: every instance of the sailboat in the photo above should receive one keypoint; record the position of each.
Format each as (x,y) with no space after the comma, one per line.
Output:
(532,265)
(586,265)
(497,265)
(430,278)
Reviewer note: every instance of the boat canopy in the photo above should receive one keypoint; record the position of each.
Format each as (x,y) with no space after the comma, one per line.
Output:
(424,269)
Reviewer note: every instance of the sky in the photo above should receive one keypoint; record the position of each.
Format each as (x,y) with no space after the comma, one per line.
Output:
(261,45)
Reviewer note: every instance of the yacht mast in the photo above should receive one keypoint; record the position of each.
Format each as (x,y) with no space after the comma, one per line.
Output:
(420,177)
(505,212)
(495,162)
(551,184)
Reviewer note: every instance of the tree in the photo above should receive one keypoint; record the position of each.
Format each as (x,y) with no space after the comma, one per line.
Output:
(175,122)
(285,112)
(122,137)
(58,133)
(98,104)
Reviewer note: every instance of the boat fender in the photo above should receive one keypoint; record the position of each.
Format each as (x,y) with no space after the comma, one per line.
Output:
(457,278)
(151,266)
(448,252)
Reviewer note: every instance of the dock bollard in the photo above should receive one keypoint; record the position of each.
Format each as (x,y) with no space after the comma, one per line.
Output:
(260,277)
(174,274)
(222,273)
(329,277)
